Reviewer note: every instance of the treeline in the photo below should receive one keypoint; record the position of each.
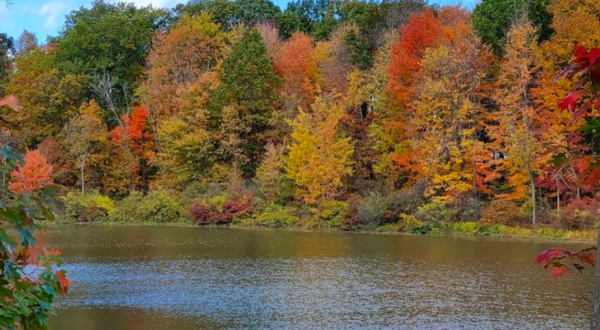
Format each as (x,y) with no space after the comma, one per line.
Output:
(329,113)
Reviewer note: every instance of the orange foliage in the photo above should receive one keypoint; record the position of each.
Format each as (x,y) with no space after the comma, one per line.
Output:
(293,61)
(422,31)
(137,135)
(34,174)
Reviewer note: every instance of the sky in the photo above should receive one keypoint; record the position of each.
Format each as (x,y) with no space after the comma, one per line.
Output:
(46,17)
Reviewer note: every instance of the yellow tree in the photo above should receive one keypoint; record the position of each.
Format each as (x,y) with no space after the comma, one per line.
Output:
(320,155)
(516,120)
(83,136)
(445,112)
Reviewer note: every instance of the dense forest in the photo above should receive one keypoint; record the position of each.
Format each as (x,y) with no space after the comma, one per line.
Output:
(330,113)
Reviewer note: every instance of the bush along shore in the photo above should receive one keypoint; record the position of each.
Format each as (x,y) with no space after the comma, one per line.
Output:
(403,211)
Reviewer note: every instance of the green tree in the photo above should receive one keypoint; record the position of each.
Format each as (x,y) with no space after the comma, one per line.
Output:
(492,20)
(108,45)
(6,50)
(248,85)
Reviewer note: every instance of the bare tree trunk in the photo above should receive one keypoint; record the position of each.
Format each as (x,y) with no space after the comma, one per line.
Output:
(82,169)
(557,200)
(595,324)
(533,215)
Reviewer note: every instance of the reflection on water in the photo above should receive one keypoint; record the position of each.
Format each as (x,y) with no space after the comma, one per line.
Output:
(182,278)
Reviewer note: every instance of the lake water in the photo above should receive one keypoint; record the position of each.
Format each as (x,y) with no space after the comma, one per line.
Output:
(167,278)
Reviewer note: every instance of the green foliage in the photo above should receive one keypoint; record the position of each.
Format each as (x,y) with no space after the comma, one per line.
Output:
(108,38)
(464,227)
(228,13)
(159,206)
(332,213)
(276,216)
(6,49)
(434,212)
(551,232)
(244,101)
(492,20)
(86,208)
(371,209)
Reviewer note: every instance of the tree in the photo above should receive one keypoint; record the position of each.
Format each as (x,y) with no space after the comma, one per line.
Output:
(7,49)
(48,98)
(421,32)
(177,61)
(108,44)
(137,138)
(295,64)
(33,175)
(514,135)
(83,136)
(492,19)
(248,85)
(26,43)
(320,156)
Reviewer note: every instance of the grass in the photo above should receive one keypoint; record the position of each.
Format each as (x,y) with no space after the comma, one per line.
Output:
(460,229)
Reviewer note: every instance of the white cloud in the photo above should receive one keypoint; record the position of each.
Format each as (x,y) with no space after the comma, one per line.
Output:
(53,12)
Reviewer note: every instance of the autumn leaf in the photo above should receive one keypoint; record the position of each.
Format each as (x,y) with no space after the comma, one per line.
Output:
(558,272)
(570,102)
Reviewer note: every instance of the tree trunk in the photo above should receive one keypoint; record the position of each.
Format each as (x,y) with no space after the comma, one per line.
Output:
(533,216)
(595,325)
(82,180)
(557,200)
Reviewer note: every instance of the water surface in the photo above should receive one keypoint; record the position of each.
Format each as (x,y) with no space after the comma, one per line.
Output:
(167,278)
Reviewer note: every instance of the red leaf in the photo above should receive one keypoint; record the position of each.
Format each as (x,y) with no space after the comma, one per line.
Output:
(570,102)
(62,281)
(558,272)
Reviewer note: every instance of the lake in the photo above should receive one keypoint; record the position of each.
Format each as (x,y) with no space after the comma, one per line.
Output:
(170,278)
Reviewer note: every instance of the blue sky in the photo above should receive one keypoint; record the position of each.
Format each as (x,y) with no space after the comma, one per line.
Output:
(46,17)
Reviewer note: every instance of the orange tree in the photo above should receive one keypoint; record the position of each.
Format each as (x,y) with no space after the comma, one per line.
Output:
(30,277)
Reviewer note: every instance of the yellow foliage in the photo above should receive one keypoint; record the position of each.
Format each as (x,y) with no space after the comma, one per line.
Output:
(320,156)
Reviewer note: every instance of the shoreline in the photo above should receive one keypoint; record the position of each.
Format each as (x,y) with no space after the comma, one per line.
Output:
(533,237)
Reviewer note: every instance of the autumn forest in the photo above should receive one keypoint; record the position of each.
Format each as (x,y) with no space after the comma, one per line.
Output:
(397,115)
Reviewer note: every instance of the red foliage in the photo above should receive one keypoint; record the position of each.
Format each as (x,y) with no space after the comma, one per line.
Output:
(205,213)
(422,31)
(570,102)
(581,213)
(34,174)
(138,135)
(563,260)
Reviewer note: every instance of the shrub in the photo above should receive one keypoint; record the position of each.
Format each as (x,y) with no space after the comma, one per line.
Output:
(410,223)
(551,232)
(370,209)
(465,208)
(87,208)
(502,211)
(332,213)
(465,227)
(276,216)
(434,212)
(159,206)
(581,213)
(222,208)
(406,200)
